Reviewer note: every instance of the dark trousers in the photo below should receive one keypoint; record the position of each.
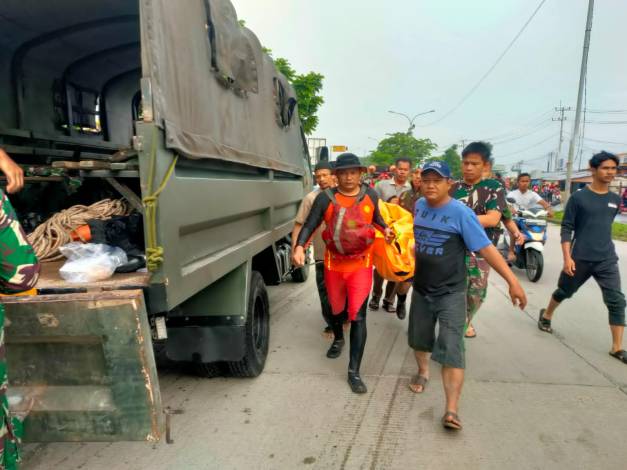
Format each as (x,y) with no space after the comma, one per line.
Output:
(377,288)
(607,276)
(325,307)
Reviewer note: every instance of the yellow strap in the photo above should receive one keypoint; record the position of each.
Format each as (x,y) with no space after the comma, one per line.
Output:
(154,252)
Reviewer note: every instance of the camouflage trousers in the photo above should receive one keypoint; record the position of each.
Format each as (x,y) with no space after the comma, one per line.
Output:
(19,271)
(477,271)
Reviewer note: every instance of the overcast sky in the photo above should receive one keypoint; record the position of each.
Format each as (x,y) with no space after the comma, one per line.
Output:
(415,55)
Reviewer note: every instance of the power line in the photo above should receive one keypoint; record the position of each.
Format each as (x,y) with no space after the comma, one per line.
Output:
(607,111)
(605,141)
(529,147)
(485,75)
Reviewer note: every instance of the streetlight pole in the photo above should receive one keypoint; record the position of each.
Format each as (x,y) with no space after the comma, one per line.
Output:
(411,120)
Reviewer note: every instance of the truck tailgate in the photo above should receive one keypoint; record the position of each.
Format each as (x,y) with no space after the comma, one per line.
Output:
(81,367)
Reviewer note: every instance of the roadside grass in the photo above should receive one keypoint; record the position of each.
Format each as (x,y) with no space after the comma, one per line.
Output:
(619,231)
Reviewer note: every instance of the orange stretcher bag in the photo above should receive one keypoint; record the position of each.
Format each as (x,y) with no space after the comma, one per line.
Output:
(395,261)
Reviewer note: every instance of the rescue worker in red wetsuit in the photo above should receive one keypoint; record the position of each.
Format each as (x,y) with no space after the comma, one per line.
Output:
(351,213)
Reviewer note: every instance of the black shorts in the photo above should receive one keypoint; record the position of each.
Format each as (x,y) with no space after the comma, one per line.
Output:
(607,276)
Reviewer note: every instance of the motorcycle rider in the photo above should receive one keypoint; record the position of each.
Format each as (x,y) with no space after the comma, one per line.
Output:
(525,199)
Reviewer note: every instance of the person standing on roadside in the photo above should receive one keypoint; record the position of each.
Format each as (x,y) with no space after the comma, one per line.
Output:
(19,271)
(387,189)
(486,197)
(351,214)
(444,229)
(589,251)
(324,180)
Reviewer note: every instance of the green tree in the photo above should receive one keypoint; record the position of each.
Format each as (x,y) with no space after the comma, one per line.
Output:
(401,144)
(307,88)
(452,159)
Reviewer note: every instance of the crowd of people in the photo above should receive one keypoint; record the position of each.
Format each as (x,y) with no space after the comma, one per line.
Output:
(456,228)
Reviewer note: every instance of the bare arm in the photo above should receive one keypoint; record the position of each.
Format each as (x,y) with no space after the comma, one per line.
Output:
(569,262)
(546,206)
(494,259)
(13,172)
(295,232)
(512,228)
(491,219)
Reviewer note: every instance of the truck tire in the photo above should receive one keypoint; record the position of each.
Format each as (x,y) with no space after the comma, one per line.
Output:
(300,274)
(257,331)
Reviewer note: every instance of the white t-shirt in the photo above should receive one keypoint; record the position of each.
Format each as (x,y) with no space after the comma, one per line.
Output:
(525,200)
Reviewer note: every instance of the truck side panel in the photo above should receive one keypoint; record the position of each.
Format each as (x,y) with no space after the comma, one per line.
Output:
(212,217)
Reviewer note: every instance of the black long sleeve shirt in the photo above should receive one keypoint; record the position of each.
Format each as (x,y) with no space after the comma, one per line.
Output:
(587,224)
(320,206)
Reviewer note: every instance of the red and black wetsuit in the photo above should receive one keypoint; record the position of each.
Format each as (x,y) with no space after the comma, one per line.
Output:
(348,279)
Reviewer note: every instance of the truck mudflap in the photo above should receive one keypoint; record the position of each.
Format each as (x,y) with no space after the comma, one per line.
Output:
(81,367)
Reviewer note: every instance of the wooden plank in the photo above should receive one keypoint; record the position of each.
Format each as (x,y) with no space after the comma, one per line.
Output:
(50,278)
(109,174)
(6,131)
(94,165)
(66,164)
(78,141)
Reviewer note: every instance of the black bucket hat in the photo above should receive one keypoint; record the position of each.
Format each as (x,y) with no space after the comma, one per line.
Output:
(347,160)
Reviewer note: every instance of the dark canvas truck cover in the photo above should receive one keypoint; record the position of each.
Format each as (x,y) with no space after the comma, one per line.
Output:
(210,97)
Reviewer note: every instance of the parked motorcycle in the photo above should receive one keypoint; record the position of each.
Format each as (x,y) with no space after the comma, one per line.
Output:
(530,255)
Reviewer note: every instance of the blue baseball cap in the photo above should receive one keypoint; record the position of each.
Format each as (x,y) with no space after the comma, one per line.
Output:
(441,168)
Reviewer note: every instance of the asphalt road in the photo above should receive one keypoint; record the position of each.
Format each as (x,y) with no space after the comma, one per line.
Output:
(531,400)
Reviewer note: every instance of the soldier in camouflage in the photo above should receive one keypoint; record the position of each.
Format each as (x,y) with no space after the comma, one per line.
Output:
(486,197)
(19,271)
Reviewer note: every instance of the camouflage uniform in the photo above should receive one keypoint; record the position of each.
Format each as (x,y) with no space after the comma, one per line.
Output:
(409,198)
(487,195)
(19,271)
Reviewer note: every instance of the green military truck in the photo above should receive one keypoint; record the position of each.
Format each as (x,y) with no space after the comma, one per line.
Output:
(175,107)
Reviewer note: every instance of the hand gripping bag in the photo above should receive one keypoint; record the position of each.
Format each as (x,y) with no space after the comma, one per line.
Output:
(348,234)
(395,261)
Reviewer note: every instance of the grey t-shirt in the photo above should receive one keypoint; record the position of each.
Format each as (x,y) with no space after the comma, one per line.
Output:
(388,188)
(588,222)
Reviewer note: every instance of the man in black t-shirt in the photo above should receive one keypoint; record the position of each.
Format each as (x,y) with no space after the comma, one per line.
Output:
(590,252)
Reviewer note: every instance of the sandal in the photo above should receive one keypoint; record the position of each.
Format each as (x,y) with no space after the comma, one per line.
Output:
(543,323)
(470,332)
(620,355)
(419,380)
(450,420)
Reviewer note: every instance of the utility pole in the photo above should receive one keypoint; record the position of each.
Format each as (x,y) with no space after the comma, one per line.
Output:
(582,79)
(561,109)
(549,160)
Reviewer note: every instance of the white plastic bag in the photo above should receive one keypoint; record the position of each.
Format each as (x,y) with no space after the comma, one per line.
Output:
(90,262)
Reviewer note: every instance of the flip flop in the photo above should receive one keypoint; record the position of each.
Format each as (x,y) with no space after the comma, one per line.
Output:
(543,323)
(450,420)
(470,335)
(620,355)
(419,380)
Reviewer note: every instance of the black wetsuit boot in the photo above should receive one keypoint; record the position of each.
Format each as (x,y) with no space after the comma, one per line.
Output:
(337,323)
(359,334)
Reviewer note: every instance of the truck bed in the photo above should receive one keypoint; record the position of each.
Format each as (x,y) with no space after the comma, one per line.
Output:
(50,279)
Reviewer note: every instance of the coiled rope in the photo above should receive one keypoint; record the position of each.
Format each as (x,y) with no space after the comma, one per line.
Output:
(48,237)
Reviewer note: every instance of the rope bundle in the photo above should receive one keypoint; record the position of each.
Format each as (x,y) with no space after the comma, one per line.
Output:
(55,232)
